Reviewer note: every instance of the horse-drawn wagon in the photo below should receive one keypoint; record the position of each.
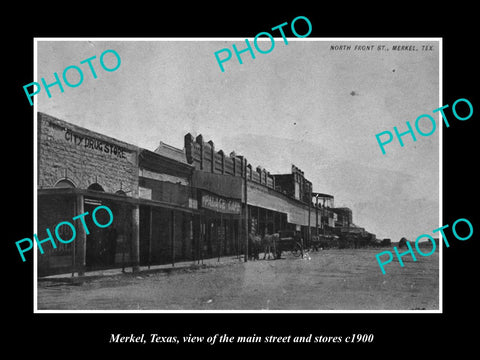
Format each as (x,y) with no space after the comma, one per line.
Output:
(323,242)
(275,244)
(288,240)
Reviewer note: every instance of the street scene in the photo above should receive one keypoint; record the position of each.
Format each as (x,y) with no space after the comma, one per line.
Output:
(150,199)
(334,279)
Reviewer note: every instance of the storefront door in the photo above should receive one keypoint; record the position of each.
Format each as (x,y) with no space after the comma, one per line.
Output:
(101,242)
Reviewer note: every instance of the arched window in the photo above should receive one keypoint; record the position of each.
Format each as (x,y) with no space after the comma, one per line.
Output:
(64,183)
(96,187)
(121,192)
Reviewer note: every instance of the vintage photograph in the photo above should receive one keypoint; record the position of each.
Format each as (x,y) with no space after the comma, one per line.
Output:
(169,179)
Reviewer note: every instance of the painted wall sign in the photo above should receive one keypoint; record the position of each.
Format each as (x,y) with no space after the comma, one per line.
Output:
(91,143)
(216,203)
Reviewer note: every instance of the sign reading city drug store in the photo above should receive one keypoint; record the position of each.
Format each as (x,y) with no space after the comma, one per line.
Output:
(79,139)
(91,143)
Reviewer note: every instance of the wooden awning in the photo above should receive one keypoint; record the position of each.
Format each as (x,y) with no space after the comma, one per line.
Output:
(112,197)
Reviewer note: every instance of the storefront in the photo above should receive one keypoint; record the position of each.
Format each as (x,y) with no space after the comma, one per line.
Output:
(264,221)
(93,248)
(78,170)
(169,219)
(167,233)
(220,225)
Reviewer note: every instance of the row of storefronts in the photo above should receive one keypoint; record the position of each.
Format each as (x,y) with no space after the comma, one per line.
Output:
(169,204)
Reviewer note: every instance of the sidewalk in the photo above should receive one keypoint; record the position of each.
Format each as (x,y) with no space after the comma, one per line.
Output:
(143,270)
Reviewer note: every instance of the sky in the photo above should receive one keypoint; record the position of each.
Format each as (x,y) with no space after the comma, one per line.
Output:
(302,103)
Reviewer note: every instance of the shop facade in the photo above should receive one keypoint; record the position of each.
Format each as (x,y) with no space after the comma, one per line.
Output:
(78,170)
(168,215)
(155,215)
(220,225)
(274,202)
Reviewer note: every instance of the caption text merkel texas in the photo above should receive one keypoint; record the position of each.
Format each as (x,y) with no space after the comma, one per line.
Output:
(228,339)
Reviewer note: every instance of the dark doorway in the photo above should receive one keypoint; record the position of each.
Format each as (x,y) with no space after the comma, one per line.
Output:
(145,235)
(101,242)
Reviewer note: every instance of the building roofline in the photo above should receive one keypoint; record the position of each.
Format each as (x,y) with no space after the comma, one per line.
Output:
(322,195)
(87,132)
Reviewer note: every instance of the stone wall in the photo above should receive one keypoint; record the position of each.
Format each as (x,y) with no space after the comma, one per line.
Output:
(83,157)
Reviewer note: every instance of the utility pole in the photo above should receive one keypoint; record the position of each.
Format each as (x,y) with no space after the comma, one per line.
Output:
(309,212)
(246,208)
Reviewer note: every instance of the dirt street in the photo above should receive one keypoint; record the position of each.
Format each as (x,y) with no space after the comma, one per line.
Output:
(346,279)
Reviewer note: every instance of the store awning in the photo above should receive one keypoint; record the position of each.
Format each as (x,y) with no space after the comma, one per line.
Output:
(91,194)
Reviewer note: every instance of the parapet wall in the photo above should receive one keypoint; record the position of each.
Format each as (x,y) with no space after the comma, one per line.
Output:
(83,157)
(203,156)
